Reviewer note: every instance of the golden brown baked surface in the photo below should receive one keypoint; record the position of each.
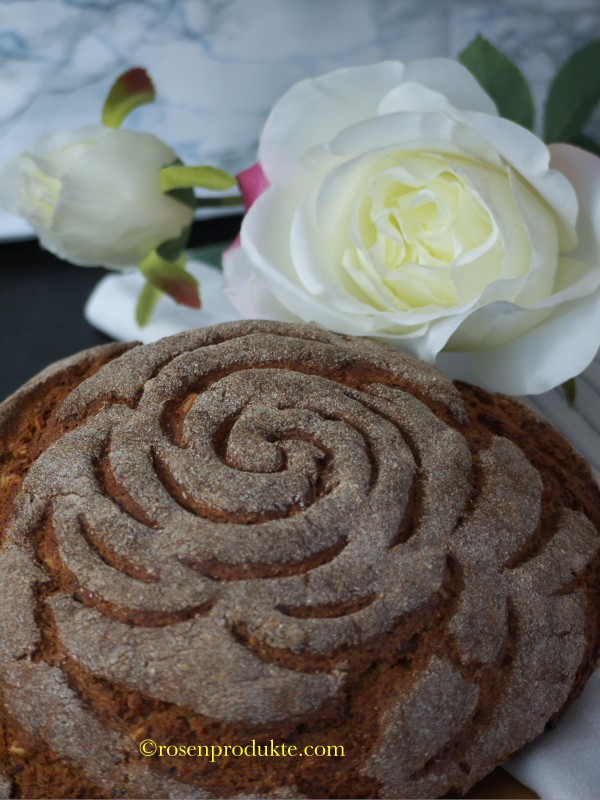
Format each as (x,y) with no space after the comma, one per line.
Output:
(267,531)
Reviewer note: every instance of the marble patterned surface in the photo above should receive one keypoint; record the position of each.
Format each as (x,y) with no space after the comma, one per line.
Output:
(220,64)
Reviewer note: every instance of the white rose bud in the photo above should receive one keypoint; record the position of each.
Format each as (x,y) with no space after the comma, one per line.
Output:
(94,195)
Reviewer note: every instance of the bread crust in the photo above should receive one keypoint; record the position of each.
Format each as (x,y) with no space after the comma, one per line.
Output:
(269,531)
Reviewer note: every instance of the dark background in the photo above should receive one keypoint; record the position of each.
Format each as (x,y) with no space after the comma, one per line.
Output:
(42,300)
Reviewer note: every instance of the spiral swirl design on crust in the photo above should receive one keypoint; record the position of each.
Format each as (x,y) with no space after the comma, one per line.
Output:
(233,516)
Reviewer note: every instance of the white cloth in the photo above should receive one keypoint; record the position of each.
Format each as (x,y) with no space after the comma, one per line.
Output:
(563,764)
(111,306)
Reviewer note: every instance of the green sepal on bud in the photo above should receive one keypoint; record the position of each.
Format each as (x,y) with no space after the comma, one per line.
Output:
(164,267)
(146,303)
(131,90)
(181,177)
(165,277)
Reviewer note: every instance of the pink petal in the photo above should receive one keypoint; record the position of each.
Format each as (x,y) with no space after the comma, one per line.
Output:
(253,183)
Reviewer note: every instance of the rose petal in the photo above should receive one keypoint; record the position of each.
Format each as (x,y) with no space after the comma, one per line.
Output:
(239,278)
(541,231)
(253,183)
(315,110)
(10,186)
(582,169)
(421,132)
(438,85)
(557,349)
(501,322)
(450,79)
(531,158)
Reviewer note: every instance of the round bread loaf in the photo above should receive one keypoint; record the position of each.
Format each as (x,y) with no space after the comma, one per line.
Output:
(261,531)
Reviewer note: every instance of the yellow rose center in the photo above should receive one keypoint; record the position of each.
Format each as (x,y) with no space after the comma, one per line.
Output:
(418,219)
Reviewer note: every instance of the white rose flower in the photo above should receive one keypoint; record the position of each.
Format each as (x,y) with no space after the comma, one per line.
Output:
(94,197)
(401,206)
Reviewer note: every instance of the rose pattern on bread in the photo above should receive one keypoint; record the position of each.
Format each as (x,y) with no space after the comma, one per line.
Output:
(262,528)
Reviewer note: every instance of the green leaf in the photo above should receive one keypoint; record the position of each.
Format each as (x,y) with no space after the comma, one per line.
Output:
(586,143)
(173,248)
(185,196)
(131,90)
(501,79)
(171,278)
(211,254)
(180,177)
(570,390)
(573,95)
(218,202)
(149,297)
